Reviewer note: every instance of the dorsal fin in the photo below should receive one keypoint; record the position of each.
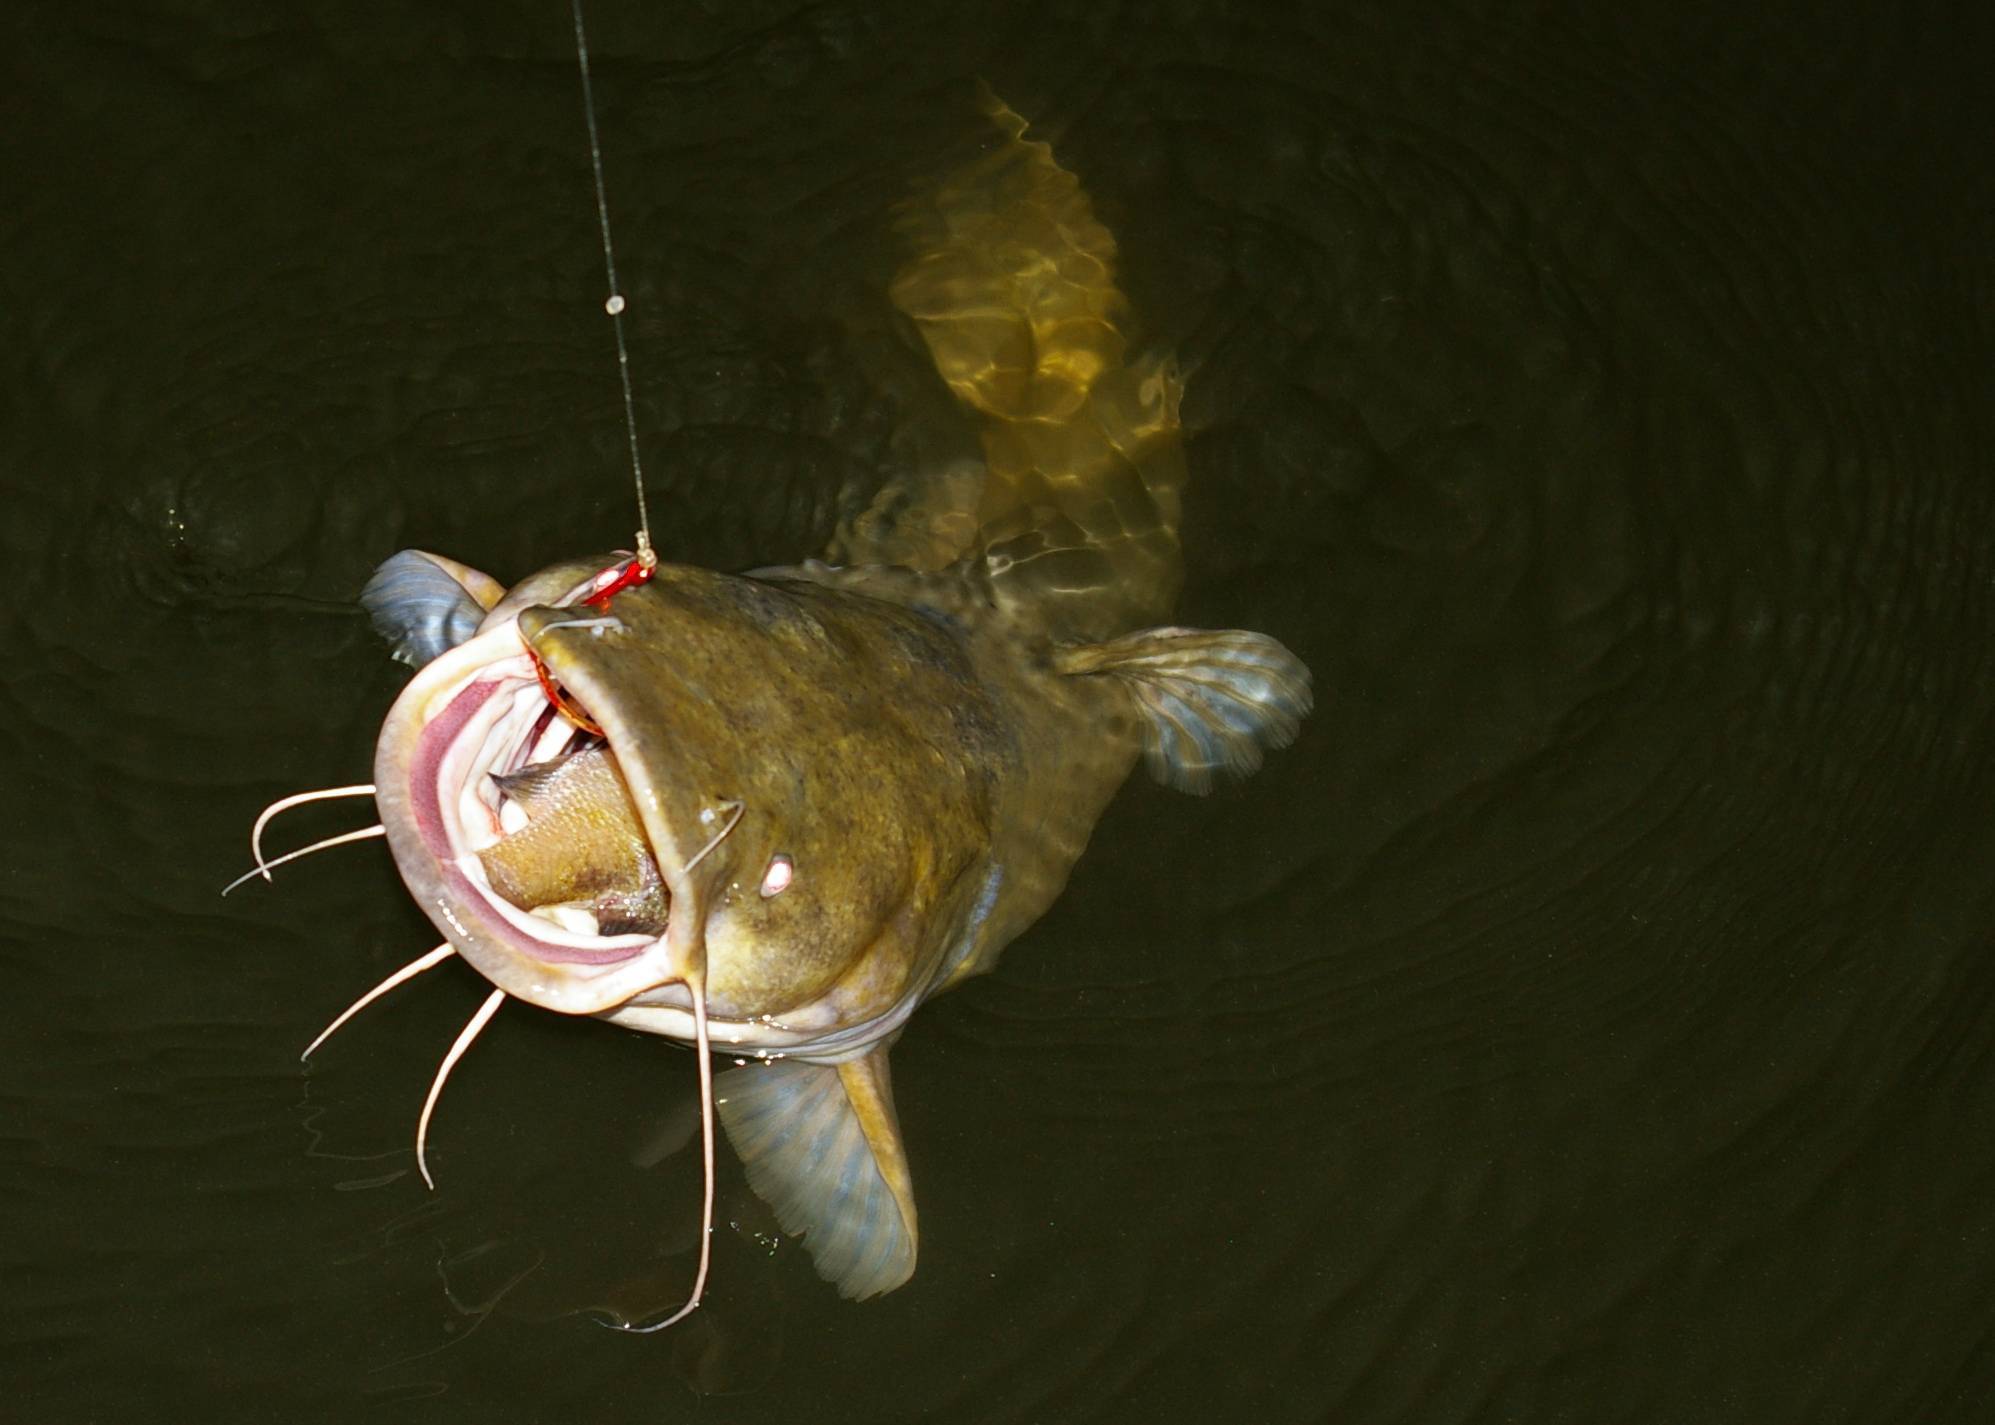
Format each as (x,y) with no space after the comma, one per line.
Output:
(538,780)
(1212,699)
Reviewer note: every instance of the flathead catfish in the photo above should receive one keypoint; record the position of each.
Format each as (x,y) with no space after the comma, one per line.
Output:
(770,814)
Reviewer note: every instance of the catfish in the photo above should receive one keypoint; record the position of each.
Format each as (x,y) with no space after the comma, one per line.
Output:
(770,814)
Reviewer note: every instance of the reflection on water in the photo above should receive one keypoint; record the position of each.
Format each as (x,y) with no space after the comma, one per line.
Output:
(1588,1024)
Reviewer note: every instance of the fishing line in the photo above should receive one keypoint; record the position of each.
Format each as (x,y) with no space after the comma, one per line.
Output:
(608,584)
(647,558)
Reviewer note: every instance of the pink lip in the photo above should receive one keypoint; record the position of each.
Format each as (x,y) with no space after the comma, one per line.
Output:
(425,800)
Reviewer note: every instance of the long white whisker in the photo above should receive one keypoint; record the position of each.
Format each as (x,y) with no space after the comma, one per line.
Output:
(721,835)
(407,972)
(698,986)
(263,868)
(478,1021)
(283,804)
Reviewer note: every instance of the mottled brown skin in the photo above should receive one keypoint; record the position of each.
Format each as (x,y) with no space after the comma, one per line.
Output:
(878,735)
(855,735)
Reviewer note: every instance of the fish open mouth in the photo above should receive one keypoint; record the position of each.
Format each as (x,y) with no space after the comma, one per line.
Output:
(479,724)
(452,754)
(497,728)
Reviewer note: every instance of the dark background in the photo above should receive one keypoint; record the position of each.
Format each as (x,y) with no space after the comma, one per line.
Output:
(1589,1020)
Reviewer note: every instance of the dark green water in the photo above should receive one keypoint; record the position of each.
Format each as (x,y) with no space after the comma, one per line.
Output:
(1588,1021)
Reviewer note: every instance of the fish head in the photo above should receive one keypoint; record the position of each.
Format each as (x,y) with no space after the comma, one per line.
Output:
(810,770)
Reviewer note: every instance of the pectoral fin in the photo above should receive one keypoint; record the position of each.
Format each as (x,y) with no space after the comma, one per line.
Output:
(822,1147)
(1211,699)
(425,604)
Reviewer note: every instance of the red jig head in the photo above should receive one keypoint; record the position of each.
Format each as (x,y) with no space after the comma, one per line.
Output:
(614,580)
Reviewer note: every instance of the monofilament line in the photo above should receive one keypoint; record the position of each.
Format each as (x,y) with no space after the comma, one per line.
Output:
(615,305)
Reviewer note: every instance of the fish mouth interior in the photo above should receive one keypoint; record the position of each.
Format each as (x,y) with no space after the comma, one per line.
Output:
(530,731)
(493,717)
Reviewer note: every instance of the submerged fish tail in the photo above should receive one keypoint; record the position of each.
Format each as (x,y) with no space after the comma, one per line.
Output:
(1012,286)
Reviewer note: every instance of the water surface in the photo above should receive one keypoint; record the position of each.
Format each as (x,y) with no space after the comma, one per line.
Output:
(1588,1020)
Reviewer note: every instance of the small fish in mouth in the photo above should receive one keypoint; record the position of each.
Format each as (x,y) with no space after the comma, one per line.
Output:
(778,811)
(571,846)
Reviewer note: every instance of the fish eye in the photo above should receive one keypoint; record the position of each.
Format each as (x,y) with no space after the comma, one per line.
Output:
(777,878)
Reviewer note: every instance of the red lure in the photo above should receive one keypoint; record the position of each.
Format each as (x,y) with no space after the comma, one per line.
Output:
(613,581)
(608,584)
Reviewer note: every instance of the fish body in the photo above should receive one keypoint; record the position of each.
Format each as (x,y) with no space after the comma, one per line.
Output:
(788,806)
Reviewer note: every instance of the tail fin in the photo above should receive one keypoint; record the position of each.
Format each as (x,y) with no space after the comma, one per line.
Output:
(1012,287)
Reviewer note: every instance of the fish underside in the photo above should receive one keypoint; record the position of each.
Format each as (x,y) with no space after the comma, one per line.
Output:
(772,813)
